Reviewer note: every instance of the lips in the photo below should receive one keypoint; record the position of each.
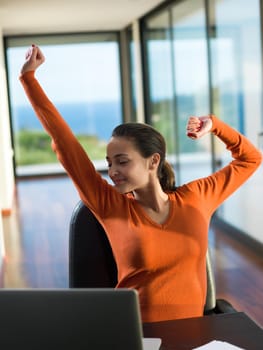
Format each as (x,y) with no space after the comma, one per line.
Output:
(118,181)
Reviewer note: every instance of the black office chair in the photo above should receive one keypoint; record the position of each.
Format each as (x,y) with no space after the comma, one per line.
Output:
(92,265)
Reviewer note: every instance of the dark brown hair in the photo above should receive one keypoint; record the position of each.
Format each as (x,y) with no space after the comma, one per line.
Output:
(148,141)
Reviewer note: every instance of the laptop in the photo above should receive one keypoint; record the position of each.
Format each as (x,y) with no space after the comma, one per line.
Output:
(70,319)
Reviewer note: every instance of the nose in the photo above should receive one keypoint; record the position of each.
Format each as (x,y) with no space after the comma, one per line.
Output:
(113,171)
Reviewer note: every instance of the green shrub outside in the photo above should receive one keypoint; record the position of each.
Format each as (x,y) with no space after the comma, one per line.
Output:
(34,147)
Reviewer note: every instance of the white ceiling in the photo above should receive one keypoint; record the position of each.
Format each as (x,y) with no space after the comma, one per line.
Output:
(19,17)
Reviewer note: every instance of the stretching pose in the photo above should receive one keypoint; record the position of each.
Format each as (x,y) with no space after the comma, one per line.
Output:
(158,232)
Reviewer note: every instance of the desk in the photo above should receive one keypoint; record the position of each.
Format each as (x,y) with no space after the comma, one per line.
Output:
(235,328)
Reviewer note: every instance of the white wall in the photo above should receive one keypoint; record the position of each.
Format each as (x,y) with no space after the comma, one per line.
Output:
(6,152)
(2,245)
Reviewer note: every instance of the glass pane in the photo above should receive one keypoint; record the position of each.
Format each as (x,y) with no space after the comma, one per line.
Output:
(161,113)
(178,84)
(236,80)
(191,85)
(82,78)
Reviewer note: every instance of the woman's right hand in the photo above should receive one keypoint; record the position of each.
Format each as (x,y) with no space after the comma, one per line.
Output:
(34,58)
(198,126)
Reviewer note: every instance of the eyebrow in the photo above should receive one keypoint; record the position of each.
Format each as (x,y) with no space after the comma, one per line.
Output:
(118,155)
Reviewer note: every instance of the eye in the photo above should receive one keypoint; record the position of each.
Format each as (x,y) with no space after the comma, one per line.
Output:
(123,162)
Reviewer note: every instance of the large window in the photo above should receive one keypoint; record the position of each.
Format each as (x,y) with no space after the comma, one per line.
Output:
(236,85)
(81,76)
(191,85)
(205,57)
(160,99)
(177,72)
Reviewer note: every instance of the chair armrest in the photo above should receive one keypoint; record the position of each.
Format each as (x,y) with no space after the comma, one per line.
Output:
(223,306)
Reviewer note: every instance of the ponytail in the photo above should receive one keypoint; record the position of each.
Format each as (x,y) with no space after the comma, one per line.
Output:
(167,177)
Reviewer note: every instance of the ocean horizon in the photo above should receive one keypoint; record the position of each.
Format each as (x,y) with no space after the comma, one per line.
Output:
(95,118)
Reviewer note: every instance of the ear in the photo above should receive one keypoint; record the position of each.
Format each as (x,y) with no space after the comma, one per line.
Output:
(154,161)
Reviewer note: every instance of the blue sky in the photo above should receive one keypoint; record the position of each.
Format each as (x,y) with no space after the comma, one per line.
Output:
(75,72)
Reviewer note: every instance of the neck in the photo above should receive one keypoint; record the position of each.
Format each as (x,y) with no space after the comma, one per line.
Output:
(152,197)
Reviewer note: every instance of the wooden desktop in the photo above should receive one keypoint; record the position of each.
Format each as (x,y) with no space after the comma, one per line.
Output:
(235,328)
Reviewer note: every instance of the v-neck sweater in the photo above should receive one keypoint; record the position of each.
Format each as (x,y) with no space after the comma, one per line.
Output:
(165,263)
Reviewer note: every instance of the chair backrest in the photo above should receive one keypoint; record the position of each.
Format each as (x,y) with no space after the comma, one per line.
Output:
(91,261)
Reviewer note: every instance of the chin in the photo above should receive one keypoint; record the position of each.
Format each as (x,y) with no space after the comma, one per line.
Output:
(123,189)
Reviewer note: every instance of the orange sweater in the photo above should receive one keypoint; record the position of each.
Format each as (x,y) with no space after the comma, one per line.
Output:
(166,263)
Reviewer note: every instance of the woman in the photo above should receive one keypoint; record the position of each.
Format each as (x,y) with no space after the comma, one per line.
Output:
(158,234)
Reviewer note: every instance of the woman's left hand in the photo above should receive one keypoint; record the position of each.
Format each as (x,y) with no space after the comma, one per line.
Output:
(198,126)
(34,58)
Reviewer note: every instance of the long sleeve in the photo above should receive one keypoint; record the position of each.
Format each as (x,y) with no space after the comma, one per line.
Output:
(93,190)
(214,189)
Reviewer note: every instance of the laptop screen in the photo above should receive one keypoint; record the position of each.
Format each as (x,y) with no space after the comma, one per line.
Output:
(73,319)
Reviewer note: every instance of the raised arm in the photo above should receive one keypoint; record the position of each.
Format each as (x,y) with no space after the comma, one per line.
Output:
(47,113)
(70,153)
(216,188)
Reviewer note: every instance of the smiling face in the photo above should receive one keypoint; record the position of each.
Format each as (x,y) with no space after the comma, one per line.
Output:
(128,170)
